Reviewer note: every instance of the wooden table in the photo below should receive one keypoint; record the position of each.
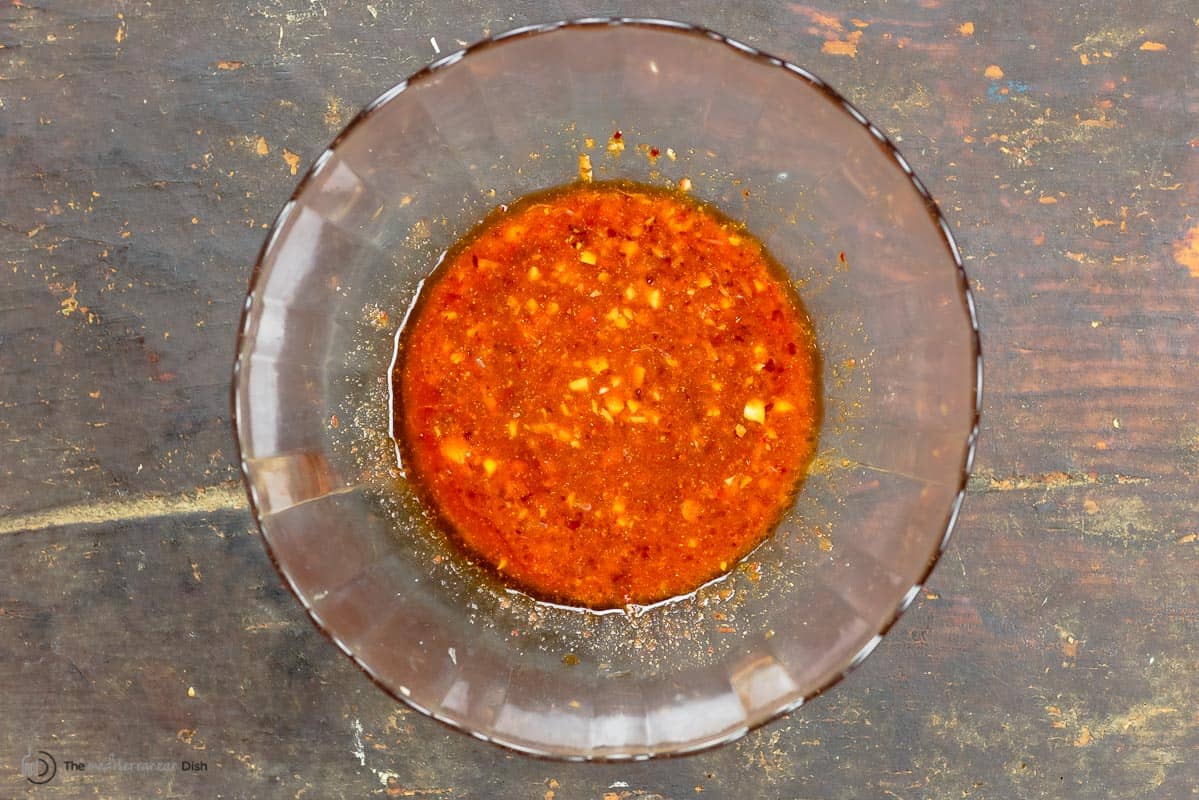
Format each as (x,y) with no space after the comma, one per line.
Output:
(145,146)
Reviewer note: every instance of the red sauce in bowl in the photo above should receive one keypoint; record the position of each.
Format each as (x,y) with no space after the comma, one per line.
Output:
(609,394)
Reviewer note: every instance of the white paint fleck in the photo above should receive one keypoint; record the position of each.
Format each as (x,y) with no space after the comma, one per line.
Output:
(433,41)
(453,656)
(618,785)
(359,748)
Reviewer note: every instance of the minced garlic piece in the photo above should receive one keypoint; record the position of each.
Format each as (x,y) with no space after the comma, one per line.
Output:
(755,411)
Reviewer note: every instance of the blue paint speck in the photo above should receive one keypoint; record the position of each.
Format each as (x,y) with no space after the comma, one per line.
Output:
(996,94)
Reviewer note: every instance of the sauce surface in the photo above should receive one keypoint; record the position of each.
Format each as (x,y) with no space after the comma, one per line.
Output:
(608,394)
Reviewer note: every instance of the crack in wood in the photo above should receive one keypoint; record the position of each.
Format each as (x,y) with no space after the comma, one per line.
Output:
(1047,481)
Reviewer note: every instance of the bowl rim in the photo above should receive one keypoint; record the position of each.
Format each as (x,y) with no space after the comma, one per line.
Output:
(766,60)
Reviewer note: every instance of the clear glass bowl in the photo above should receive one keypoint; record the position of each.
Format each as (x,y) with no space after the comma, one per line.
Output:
(769,144)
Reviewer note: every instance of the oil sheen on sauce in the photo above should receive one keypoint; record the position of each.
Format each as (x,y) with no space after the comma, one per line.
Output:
(608,393)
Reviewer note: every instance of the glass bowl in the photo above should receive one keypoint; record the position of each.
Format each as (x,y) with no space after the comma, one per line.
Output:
(769,144)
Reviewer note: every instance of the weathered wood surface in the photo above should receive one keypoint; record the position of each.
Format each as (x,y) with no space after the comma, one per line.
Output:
(144,147)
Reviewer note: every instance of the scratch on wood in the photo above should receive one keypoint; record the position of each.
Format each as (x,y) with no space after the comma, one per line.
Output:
(267,626)
(1049,480)
(227,496)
